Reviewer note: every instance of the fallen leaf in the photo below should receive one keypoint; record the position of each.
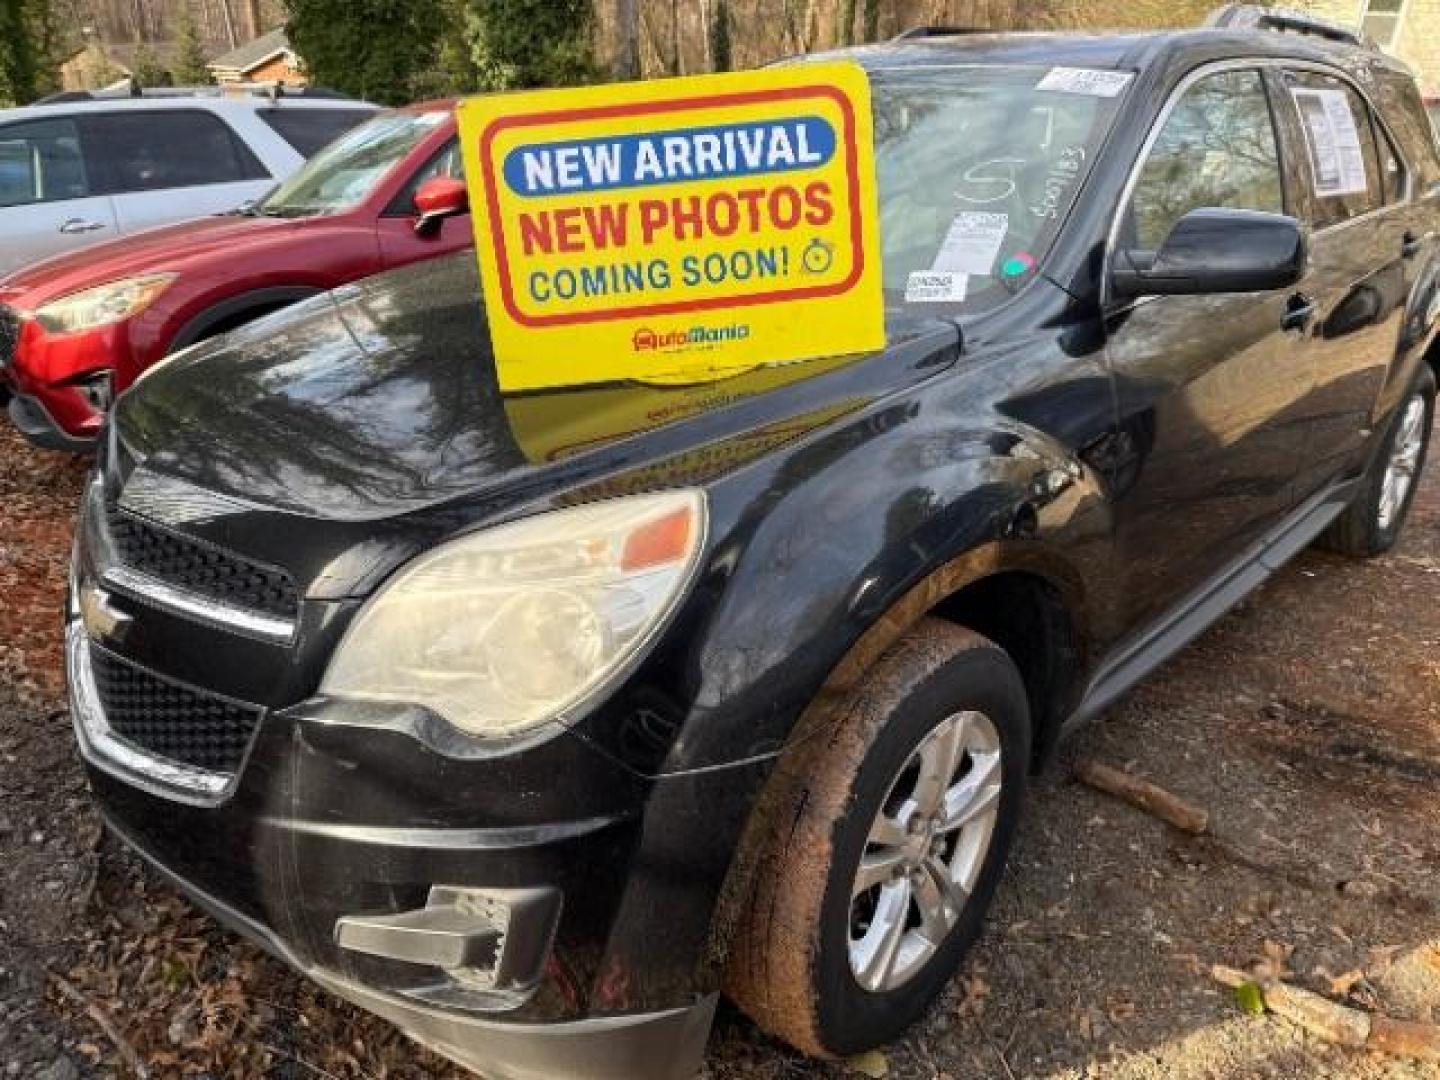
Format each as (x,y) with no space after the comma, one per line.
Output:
(1250,998)
(976,991)
(872,1063)
(1341,985)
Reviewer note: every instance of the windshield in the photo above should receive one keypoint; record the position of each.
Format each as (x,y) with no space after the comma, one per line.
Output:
(978,168)
(345,172)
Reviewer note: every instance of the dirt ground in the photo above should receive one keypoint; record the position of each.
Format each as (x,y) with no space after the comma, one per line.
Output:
(1307,722)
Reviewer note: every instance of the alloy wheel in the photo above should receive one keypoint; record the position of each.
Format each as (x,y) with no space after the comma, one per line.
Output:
(924,851)
(1404,461)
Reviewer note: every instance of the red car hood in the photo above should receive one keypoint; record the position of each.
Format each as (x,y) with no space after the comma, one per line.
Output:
(172,247)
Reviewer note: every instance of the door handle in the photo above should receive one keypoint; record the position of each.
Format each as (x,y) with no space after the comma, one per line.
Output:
(1299,313)
(77,225)
(1414,244)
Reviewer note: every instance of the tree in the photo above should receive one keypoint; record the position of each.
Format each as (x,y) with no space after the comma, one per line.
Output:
(190,59)
(626,61)
(147,69)
(527,43)
(454,71)
(18,69)
(845,28)
(375,49)
(872,19)
(721,46)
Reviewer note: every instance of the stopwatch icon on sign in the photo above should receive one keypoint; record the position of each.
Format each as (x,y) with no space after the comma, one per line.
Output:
(817,257)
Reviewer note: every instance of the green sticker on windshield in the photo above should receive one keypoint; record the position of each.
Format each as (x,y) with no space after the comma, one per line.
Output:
(1018,265)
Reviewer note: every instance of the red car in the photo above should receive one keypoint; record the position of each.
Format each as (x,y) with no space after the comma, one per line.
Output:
(78,329)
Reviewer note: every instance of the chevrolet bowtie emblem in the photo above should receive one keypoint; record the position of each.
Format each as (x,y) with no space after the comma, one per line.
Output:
(101,619)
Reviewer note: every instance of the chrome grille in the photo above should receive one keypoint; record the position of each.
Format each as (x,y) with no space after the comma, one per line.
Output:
(170,720)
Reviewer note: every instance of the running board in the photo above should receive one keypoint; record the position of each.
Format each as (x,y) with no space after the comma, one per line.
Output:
(1212,601)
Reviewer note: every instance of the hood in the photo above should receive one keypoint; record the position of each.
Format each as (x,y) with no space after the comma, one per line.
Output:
(380,399)
(171,247)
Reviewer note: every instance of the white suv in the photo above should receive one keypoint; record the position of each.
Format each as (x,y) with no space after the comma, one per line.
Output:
(81,168)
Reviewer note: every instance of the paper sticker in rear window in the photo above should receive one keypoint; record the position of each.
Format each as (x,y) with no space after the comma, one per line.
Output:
(1336,158)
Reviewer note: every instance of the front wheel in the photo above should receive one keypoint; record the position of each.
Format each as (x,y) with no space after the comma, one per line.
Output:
(1371,524)
(886,836)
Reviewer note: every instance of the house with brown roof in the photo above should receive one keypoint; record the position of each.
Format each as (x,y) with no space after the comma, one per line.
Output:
(269,58)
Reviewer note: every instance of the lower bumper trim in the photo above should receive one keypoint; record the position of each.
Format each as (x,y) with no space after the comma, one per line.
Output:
(34,421)
(665,1045)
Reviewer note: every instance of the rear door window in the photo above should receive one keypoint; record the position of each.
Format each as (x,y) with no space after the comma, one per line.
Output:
(1217,149)
(149,150)
(309,130)
(1340,147)
(41,161)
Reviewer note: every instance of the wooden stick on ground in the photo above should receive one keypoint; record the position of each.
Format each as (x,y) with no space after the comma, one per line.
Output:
(1340,1024)
(1149,797)
(105,1024)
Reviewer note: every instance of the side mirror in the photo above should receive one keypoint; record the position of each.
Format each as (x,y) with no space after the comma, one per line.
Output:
(1216,251)
(439,198)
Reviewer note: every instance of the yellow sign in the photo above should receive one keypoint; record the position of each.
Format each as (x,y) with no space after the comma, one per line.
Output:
(676,231)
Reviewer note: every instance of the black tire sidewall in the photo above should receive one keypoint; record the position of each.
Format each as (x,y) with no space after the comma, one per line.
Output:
(851,1018)
(1386,538)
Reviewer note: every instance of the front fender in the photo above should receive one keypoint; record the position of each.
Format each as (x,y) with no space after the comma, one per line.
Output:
(811,582)
(851,536)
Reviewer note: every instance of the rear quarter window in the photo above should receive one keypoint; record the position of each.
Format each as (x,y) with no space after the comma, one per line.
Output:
(310,130)
(1404,111)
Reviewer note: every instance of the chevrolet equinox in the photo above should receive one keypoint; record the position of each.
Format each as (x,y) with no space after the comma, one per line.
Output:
(534,722)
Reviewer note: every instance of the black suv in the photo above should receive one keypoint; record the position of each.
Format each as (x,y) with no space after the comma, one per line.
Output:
(533,722)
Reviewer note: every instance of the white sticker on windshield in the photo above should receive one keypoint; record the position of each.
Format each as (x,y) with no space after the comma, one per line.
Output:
(936,287)
(1088,81)
(973,243)
(1336,156)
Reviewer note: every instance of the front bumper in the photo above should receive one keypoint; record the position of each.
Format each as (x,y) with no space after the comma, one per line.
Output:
(334,814)
(34,421)
(266,862)
(660,1045)
(47,376)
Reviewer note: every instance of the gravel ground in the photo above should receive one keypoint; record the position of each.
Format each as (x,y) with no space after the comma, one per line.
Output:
(1307,722)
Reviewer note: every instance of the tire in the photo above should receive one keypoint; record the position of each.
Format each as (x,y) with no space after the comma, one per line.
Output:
(790,965)
(1371,524)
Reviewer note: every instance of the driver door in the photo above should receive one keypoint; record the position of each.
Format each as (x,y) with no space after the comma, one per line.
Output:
(1210,387)
(399,243)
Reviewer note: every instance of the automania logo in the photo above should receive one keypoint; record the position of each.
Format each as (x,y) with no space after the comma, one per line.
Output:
(647,340)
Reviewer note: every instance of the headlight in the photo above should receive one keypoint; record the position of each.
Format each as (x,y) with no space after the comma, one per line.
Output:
(503,630)
(102,305)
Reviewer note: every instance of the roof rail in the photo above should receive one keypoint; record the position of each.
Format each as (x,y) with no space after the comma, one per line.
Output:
(65,97)
(128,88)
(1255,17)
(920,33)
